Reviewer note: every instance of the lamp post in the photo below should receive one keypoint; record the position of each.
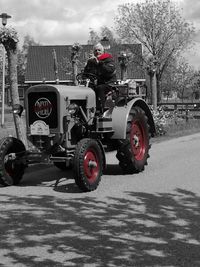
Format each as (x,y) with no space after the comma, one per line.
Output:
(74,59)
(123,62)
(124,59)
(4,17)
(105,42)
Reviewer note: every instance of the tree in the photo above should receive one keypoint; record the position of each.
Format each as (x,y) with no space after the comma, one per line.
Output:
(9,38)
(169,85)
(95,37)
(196,85)
(183,79)
(159,27)
(22,54)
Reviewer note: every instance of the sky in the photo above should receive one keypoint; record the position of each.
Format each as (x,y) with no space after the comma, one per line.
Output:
(60,22)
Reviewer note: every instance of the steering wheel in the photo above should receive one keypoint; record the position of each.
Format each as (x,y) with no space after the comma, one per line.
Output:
(84,78)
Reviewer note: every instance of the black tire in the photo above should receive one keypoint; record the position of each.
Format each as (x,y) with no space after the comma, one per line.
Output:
(87,177)
(11,170)
(133,152)
(61,165)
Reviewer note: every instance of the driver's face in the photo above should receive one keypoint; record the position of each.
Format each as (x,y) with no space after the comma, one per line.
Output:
(98,52)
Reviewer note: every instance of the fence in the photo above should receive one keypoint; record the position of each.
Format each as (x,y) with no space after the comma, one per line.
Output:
(184,108)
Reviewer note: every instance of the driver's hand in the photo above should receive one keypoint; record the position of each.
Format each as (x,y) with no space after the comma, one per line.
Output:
(94,58)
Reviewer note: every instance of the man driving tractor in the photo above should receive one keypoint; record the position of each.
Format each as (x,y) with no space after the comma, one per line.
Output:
(102,65)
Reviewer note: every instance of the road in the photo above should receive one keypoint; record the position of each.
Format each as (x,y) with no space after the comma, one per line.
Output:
(146,219)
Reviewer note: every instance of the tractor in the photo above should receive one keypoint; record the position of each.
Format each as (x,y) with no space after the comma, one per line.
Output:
(64,128)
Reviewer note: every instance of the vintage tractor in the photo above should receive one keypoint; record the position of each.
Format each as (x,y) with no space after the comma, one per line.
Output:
(64,127)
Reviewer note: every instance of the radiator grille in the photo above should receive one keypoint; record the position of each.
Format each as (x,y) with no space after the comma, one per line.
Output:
(43,106)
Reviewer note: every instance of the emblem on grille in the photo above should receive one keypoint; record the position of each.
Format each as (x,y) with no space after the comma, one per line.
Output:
(43,108)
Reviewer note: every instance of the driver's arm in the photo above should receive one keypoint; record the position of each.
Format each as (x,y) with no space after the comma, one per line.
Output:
(91,65)
(107,66)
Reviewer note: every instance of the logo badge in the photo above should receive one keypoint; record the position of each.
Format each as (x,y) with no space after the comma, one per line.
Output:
(43,108)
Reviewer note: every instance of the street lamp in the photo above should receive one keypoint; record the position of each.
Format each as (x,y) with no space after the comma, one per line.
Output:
(124,59)
(4,17)
(105,42)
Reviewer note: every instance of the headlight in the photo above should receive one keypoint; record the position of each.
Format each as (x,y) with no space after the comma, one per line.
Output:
(18,109)
(73,108)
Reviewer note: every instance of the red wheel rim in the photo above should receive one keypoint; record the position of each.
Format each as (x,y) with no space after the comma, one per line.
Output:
(91,165)
(137,139)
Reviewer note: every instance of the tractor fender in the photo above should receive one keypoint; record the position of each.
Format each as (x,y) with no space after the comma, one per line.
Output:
(120,117)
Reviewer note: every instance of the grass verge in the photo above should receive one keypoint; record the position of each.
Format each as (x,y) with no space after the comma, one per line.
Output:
(179,129)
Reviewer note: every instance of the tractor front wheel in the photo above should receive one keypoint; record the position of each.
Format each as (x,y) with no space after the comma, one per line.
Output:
(11,167)
(88,164)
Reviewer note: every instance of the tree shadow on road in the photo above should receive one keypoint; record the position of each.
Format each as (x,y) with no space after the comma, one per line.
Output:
(140,229)
(44,174)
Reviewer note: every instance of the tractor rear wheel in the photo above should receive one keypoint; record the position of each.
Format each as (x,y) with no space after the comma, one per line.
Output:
(133,151)
(11,168)
(88,164)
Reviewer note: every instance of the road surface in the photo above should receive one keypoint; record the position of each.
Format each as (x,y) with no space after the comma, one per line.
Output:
(146,219)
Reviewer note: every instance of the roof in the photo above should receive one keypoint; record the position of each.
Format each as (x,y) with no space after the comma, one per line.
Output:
(40,63)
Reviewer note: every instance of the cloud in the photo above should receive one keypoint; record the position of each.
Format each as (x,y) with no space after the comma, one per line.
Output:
(63,22)
(59,22)
(191,9)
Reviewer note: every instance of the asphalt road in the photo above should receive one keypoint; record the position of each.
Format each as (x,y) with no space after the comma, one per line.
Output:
(146,219)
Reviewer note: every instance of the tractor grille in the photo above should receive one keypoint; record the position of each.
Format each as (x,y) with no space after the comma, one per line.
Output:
(43,106)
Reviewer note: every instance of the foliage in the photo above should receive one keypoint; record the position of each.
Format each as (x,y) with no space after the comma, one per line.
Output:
(95,37)
(164,118)
(158,26)
(180,78)
(183,77)
(76,47)
(9,38)
(23,52)
(160,119)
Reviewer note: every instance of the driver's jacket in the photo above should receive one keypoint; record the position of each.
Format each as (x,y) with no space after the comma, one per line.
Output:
(104,69)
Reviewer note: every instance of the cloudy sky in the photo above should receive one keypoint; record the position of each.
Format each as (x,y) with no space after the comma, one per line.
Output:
(68,21)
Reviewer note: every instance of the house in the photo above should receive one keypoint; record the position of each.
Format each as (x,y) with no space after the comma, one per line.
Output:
(40,63)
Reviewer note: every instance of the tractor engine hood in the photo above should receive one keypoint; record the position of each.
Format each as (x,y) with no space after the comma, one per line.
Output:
(48,103)
(65,91)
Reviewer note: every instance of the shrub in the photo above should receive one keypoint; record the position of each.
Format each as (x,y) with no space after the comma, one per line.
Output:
(164,119)
(160,119)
